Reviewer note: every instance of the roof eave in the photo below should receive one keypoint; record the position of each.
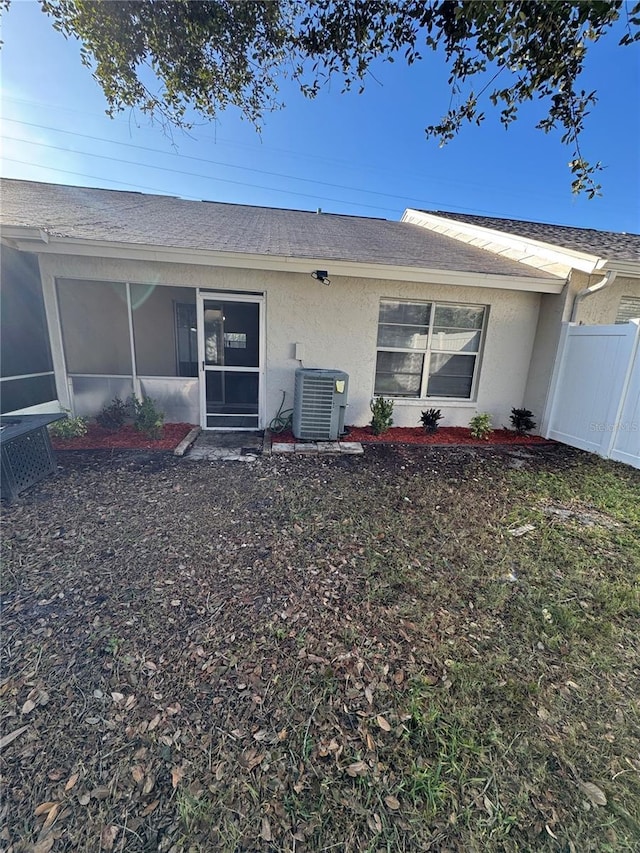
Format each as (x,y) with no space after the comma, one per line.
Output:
(282,263)
(624,268)
(534,252)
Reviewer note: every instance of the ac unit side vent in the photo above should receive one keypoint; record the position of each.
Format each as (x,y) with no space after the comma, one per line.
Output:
(320,400)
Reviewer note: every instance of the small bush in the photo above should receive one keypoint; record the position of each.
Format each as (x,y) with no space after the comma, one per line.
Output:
(430,418)
(522,421)
(382,411)
(69,428)
(480,425)
(147,418)
(114,416)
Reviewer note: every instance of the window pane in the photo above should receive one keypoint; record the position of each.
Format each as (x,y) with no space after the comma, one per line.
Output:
(231,333)
(458,317)
(95,327)
(24,343)
(455,340)
(399,374)
(405,313)
(232,421)
(187,339)
(164,330)
(408,337)
(232,393)
(22,393)
(450,375)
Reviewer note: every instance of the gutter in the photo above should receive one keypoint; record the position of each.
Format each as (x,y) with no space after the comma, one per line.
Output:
(607,280)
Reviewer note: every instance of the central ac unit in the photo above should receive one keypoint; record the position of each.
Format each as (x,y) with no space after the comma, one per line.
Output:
(319,403)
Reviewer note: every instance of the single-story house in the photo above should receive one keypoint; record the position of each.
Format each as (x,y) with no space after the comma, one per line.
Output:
(208,308)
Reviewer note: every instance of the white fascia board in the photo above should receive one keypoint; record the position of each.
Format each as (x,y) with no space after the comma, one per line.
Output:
(23,234)
(569,258)
(278,263)
(624,268)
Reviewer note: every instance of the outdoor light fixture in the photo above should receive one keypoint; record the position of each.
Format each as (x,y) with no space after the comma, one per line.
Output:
(321,275)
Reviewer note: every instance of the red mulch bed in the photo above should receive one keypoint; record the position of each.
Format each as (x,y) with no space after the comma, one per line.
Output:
(126,438)
(416,435)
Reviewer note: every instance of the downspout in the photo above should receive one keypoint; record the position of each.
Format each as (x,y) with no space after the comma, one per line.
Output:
(608,279)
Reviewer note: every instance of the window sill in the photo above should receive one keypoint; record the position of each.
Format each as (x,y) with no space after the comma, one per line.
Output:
(433,401)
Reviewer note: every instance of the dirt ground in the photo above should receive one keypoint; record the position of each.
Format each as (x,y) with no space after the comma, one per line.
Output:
(353,653)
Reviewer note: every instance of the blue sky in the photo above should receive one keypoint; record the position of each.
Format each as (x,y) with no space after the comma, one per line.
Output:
(357,154)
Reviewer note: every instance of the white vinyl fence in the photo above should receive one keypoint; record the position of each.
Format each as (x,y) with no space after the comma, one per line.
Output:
(594,399)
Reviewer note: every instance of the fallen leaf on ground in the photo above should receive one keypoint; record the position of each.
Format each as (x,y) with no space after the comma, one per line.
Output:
(177,774)
(265,832)
(9,738)
(44,845)
(595,794)
(383,723)
(100,793)
(71,781)
(392,802)
(374,823)
(250,758)
(28,706)
(108,836)
(150,808)
(520,531)
(358,768)
(51,817)
(44,808)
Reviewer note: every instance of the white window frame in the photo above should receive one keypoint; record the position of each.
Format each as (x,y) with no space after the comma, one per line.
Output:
(429,350)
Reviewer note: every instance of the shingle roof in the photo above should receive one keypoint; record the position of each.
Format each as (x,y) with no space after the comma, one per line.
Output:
(603,244)
(154,220)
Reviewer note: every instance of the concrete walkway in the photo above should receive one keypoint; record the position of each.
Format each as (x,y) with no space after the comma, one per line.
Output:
(312,448)
(247,446)
(226,447)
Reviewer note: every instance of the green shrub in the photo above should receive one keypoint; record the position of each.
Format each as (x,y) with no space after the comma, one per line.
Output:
(430,418)
(522,420)
(382,411)
(147,418)
(69,428)
(480,425)
(114,416)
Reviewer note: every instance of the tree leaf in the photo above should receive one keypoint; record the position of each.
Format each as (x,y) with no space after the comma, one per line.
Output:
(265,831)
(595,794)
(108,836)
(53,814)
(177,774)
(28,706)
(44,845)
(71,781)
(392,802)
(358,768)
(383,723)
(44,808)
(150,808)
(9,738)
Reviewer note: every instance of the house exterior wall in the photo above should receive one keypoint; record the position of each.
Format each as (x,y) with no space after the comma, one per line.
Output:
(337,327)
(601,308)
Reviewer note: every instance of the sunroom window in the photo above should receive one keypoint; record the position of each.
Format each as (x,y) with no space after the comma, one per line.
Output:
(428,349)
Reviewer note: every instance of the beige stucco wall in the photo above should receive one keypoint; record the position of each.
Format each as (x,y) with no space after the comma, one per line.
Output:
(601,307)
(337,327)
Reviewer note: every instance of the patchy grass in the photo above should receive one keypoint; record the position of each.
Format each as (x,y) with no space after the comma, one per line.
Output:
(313,654)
